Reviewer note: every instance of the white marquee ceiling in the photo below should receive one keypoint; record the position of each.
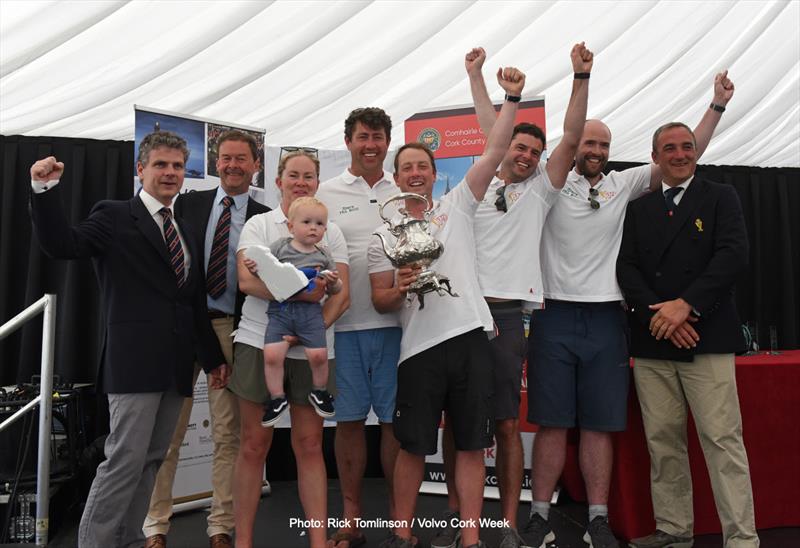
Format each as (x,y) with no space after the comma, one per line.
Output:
(296,68)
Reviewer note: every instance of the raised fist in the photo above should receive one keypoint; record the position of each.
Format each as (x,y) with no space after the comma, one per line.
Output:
(582,58)
(47,170)
(723,88)
(473,61)
(512,80)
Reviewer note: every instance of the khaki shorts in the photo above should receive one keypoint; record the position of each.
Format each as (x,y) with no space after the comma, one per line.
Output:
(248,382)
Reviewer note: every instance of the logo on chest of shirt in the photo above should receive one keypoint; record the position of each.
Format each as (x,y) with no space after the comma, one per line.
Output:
(606,195)
(348,209)
(439,220)
(568,191)
(512,196)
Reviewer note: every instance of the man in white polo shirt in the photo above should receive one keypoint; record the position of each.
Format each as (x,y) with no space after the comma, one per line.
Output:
(578,356)
(445,350)
(367,343)
(508,227)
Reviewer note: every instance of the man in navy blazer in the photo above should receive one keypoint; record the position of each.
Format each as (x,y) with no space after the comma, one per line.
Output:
(156,325)
(682,250)
(237,162)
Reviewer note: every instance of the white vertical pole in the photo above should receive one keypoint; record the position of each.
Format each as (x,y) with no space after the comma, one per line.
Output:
(45,422)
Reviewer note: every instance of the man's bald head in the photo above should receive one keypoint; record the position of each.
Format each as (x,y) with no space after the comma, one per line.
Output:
(592,154)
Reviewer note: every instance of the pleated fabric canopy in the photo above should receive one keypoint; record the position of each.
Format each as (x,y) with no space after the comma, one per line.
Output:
(296,68)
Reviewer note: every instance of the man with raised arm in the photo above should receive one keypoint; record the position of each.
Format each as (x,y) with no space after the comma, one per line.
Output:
(444,350)
(367,342)
(149,269)
(508,227)
(577,355)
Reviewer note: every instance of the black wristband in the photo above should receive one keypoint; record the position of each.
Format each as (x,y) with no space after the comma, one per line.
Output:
(716,107)
(513,98)
(582,75)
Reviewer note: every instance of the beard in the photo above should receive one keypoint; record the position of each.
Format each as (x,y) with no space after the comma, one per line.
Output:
(591,170)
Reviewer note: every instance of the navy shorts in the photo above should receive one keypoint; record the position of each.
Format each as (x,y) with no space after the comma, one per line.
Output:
(578,367)
(298,318)
(454,376)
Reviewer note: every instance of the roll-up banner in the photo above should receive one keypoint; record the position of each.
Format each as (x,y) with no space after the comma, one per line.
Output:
(201,137)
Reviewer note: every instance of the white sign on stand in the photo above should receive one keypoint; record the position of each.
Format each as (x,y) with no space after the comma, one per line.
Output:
(192,486)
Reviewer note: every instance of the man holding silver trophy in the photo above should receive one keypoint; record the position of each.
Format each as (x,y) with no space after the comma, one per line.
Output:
(444,348)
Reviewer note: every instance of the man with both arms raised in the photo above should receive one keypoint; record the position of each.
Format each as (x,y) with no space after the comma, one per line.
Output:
(508,227)
(578,357)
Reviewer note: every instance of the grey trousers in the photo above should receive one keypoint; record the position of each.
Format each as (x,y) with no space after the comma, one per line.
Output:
(141,428)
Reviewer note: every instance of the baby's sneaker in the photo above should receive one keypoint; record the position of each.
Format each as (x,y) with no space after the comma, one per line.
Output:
(273,411)
(322,402)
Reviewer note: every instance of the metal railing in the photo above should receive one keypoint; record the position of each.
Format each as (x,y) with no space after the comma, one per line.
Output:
(44,400)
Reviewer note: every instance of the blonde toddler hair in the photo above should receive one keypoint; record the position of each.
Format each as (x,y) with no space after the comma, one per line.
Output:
(305,201)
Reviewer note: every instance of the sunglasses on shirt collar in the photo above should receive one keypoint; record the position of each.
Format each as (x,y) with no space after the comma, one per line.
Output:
(593,193)
(500,202)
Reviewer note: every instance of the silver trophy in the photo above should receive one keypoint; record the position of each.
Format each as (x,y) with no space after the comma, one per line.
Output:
(415,246)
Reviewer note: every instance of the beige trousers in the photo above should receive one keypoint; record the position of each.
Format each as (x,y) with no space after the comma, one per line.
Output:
(708,385)
(224,412)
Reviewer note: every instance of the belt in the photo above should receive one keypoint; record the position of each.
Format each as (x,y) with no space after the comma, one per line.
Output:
(217,314)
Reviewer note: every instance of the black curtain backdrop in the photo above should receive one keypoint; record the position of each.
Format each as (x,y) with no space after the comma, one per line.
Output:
(95,170)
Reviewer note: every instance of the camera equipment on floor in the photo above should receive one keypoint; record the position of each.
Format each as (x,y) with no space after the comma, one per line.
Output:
(18,456)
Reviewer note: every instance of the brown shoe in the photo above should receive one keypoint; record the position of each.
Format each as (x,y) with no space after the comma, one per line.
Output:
(156,541)
(220,540)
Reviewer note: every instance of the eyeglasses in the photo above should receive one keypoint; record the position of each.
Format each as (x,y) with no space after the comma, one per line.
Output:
(308,150)
(500,202)
(593,193)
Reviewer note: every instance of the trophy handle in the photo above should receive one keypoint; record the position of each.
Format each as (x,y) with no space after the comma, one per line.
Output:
(400,196)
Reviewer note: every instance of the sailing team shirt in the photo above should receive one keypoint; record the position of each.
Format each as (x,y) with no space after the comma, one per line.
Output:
(444,317)
(580,244)
(507,243)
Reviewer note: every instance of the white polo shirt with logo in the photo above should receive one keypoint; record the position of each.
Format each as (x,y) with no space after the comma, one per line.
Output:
(580,245)
(508,243)
(263,229)
(444,317)
(353,206)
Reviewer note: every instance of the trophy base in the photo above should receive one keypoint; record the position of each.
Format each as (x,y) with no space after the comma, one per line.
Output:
(428,282)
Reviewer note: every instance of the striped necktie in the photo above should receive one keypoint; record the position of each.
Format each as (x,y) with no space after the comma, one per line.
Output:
(174,246)
(669,197)
(217,273)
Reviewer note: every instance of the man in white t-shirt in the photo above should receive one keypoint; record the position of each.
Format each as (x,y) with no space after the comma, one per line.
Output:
(444,350)
(367,343)
(508,227)
(578,358)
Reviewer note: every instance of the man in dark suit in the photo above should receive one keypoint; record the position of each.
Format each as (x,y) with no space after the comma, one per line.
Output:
(682,250)
(156,324)
(216,217)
